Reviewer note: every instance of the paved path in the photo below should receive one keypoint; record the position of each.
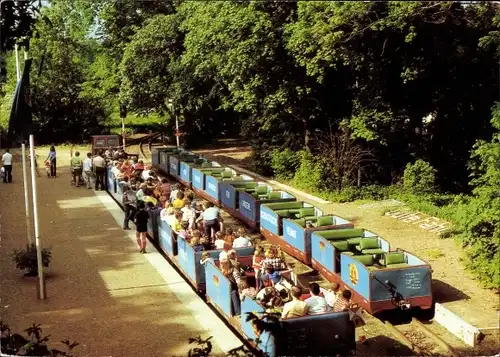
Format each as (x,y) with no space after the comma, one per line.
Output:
(101,292)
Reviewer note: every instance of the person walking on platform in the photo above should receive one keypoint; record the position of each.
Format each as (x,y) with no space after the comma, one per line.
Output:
(77,169)
(7,165)
(129,205)
(100,171)
(87,170)
(141,224)
(52,160)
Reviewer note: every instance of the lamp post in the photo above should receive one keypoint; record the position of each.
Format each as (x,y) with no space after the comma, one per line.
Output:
(171,106)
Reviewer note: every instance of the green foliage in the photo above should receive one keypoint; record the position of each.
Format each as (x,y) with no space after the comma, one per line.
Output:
(285,163)
(26,259)
(309,176)
(419,177)
(35,345)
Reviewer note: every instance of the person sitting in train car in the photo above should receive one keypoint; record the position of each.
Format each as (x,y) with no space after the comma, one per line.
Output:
(108,154)
(173,193)
(257,259)
(178,203)
(148,196)
(139,166)
(165,211)
(331,294)
(224,254)
(296,307)
(184,232)
(126,168)
(145,172)
(270,299)
(150,183)
(242,241)
(234,276)
(274,276)
(196,244)
(165,188)
(177,221)
(245,289)
(207,244)
(219,241)
(211,219)
(206,258)
(343,302)
(140,192)
(229,237)
(232,256)
(316,304)
(188,213)
(273,260)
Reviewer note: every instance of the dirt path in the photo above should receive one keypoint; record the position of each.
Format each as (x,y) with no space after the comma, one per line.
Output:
(101,292)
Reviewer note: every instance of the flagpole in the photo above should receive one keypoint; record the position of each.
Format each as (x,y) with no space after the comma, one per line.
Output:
(35,217)
(26,195)
(18,66)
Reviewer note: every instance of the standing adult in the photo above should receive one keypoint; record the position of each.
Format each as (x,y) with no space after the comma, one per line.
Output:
(100,171)
(129,205)
(7,164)
(52,160)
(87,170)
(211,219)
(141,224)
(77,168)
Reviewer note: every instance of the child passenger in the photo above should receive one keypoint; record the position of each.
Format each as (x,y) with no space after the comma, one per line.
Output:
(205,258)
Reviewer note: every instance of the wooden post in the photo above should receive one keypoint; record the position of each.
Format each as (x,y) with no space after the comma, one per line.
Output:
(359,176)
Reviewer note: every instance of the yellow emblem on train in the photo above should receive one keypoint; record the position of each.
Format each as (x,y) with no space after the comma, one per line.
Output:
(353,273)
(322,245)
(216,280)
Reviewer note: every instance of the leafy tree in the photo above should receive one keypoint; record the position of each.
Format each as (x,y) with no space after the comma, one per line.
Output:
(62,53)
(400,62)
(419,177)
(479,216)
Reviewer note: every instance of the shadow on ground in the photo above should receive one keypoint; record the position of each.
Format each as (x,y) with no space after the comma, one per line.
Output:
(100,291)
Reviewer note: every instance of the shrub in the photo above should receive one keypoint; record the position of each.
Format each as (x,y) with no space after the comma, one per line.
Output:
(419,177)
(285,163)
(309,176)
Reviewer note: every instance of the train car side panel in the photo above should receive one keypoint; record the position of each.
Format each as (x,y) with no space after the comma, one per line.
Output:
(355,275)
(166,238)
(173,167)
(185,172)
(228,195)
(198,179)
(269,220)
(212,188)
(294,240)
(328,334)
(218,289)
(323,257)
(266,340)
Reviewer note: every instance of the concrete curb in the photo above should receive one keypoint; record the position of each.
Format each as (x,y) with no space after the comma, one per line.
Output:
(280,185)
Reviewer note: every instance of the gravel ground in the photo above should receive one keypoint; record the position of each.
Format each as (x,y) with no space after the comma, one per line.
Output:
(101,292)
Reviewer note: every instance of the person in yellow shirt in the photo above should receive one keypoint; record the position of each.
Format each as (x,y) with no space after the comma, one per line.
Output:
(179,201)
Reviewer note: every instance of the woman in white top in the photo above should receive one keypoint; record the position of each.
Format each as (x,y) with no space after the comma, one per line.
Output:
(219,241)
(242,241)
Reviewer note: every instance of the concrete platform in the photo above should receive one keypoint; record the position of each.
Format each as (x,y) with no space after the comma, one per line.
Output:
(101,292)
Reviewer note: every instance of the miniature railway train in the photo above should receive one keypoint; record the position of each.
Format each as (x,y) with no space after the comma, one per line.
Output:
(379,277)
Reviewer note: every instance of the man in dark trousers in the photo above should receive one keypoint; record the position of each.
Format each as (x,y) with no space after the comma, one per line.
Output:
(100,171)
(7,164)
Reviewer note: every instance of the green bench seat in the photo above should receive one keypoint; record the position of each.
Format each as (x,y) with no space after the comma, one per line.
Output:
(401,265)
(354,241)
(341,233)
(368,243)
(341,245)
(325,221)
(393,258)
(285,206)
(375,251)
(274,195)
